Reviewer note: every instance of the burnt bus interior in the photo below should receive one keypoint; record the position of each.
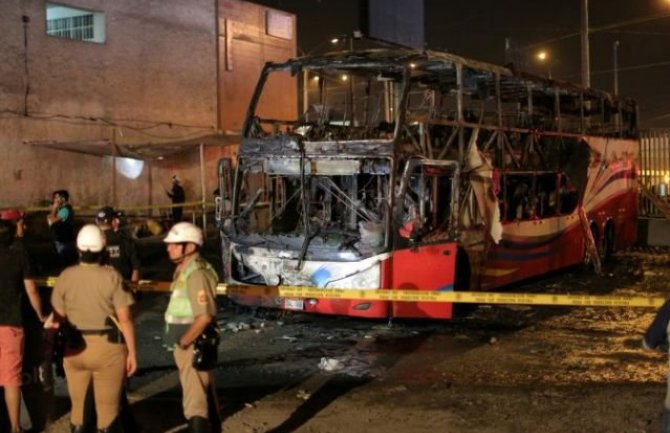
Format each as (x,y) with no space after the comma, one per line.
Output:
(535,195)
(336,178)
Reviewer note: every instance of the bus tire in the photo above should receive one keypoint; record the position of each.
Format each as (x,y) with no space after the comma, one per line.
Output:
(608,243)
(462,284)
(587,265)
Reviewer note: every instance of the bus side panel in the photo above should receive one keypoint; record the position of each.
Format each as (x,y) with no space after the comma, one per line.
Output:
(612,199)
(429,268)
(533,248)
(621,212)
(348,307)
(612,189)
(342,307)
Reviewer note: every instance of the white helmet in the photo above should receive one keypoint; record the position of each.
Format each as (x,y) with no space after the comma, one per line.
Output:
(90,238)
(184,232)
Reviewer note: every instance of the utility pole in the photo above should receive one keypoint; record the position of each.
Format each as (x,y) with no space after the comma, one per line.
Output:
(586,67)
(615,49)
(617,116)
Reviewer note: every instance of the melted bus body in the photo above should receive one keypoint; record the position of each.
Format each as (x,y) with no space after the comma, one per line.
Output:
(421,170)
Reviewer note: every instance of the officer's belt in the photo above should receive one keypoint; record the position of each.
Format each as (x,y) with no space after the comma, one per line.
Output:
(96,331)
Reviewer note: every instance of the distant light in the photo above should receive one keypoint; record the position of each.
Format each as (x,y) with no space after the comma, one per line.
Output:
(412,65)
(160,158)
(334,41)
(129,167)
(315,78)
(345,77)
(542,56)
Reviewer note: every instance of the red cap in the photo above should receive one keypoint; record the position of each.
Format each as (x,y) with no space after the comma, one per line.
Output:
(11,215)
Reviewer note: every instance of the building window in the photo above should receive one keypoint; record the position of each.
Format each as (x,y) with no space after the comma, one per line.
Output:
(279,25)
(77,24)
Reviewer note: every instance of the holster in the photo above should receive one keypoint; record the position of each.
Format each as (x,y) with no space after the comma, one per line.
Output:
(205,349)
(114,335)
(68,339)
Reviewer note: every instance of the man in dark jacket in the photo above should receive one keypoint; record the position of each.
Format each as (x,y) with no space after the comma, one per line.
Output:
(656,337)
(177,196)
(121,248)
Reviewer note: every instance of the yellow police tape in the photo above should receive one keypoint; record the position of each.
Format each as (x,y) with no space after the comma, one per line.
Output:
(96,207)
(415,295)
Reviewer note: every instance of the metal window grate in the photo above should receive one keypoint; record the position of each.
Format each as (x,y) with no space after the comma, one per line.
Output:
(76,27)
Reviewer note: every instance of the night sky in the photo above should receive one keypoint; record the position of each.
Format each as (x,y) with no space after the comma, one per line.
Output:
(477,29)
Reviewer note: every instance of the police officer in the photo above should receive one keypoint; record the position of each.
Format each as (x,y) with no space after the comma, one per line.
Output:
(121,254)
(120,246)
(90,297)
(191,309)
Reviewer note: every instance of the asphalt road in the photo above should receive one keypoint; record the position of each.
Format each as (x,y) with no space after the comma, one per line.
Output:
(293,372)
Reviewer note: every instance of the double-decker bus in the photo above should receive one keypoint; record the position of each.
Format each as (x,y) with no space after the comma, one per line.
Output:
(422,170)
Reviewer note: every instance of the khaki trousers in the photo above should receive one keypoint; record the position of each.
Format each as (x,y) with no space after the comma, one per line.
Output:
(195,384)
(105,364)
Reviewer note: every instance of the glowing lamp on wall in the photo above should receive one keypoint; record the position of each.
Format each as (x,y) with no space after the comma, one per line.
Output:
(129,167)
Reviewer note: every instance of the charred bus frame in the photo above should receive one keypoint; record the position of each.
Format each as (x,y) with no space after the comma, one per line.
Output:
(404,158)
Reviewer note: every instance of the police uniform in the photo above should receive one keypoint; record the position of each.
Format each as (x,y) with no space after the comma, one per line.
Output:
(193,292)
(88,294)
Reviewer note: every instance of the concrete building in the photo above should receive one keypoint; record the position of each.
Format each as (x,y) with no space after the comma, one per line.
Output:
(128,78)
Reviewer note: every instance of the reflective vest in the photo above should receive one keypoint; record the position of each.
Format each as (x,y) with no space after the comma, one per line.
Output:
(179,313)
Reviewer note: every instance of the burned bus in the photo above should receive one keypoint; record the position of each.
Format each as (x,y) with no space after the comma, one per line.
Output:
(422,170)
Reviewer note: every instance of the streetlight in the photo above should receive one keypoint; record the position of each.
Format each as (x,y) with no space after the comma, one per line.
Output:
(543,57)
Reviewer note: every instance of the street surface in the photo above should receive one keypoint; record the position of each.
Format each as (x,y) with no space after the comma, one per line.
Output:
(501,369)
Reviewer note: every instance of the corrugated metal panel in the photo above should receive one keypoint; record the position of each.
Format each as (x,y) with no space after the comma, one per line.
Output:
(654,174)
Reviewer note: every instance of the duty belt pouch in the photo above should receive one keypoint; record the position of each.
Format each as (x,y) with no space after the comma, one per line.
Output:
(205,349)
(68,339)
(114,335)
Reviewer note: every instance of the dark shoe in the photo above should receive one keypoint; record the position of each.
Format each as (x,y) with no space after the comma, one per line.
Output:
(116,426)
(198,424)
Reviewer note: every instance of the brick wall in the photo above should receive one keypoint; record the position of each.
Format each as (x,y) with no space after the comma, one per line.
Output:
(153,80)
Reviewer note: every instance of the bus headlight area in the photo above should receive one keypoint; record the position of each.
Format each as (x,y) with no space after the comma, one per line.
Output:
(258,268)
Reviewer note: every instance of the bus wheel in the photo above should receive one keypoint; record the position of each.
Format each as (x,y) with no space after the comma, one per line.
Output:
(588,257)
(462,284)
(608,244)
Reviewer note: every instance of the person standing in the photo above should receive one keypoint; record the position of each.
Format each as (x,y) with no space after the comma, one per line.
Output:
(177,196)
(118,223)
(35,363)
(17,217)
(121,254)
(61,222)
(120,246)
(656,337)
(90,298)
(191,309)
(15,273)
